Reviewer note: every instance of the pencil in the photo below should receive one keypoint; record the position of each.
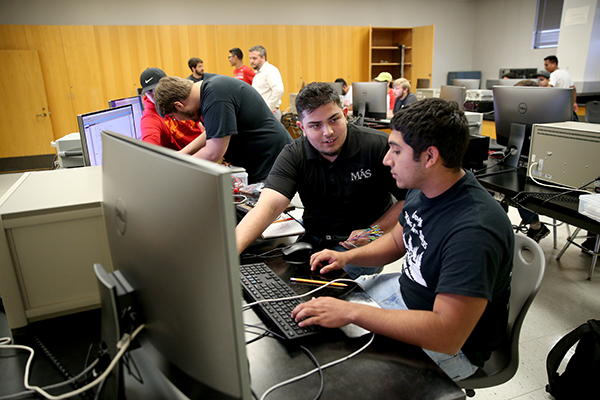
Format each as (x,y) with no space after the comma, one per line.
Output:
(301,280)
(283,220)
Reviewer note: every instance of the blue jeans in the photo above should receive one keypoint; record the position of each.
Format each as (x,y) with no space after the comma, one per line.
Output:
(528,217)
(354,271)
(385,290)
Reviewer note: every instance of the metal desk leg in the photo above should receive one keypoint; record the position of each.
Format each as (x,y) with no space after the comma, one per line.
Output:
(594,257)
(569,241)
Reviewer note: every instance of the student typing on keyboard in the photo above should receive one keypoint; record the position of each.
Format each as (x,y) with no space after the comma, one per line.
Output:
(452,297)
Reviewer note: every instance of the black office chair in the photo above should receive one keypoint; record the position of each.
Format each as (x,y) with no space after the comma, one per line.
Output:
(592,112)
(528,270)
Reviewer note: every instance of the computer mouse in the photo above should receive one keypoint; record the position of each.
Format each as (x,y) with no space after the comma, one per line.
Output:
(297,253)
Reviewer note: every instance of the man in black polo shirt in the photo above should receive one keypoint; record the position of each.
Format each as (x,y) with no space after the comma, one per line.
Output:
(338,172)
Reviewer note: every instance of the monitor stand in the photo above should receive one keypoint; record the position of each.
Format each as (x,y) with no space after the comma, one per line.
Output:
(360,112)
(118,312)
(515,145)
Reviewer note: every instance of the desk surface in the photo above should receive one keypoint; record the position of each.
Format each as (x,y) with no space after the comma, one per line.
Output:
(511,183)
(387,369)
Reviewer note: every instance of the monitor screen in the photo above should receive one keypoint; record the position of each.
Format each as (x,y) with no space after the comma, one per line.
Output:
(369,99)
(118,119)
(529,105)
(422,83)
(470,84)
(184,271)
(456,94)
(138,109)
(338,86)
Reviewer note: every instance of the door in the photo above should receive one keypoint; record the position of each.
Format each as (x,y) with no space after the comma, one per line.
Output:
(422,54)
(26,129)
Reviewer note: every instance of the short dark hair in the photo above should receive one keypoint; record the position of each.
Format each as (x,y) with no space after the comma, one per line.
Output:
(552,59)
(192,62)
(260,50)
(527,82)
(236,51)
(169,90)
(342,81)
(509,75)
(315,95)
(434,122)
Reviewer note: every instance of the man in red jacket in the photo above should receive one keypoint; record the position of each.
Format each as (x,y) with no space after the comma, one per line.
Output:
(166,132)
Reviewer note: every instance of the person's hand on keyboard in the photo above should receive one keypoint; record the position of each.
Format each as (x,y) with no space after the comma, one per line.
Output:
(327,260)
(324,311)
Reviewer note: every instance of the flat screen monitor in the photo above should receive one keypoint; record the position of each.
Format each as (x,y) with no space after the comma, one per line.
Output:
(369,99)
(528,105)
(175,245)
(422,83)
(338,86)
(118,119)
(456,94)
(469,84)
(138,109)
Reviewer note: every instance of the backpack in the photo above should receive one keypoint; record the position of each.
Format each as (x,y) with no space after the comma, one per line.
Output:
(581,378)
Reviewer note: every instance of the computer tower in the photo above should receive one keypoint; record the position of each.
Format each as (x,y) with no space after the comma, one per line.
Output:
(565,153)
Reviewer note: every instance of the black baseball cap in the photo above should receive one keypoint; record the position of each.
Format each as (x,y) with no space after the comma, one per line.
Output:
(150,77)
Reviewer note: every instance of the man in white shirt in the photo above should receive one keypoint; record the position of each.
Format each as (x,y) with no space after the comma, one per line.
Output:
(347,90)
(267,81)
(559,78)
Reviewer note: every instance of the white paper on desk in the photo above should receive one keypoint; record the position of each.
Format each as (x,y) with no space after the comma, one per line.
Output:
(284,225)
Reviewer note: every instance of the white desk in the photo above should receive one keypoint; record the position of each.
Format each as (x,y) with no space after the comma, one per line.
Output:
(51,233)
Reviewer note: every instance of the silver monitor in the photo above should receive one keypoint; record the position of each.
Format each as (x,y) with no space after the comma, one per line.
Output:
(454,93)
(527,105)
(369,99)
(138,110)
(170,221)
(119,119)
(469,84)
(338,86)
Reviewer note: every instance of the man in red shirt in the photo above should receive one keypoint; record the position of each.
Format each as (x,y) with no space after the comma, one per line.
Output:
(241,71)
(165,132)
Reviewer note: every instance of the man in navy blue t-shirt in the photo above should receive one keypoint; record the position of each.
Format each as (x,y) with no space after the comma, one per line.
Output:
(452,296)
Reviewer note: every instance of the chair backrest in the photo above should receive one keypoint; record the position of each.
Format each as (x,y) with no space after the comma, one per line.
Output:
(529,265)
(592,112)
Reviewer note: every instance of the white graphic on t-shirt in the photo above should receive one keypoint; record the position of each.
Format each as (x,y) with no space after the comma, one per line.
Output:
(413,258)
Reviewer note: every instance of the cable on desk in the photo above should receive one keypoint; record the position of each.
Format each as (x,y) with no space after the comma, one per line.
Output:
(500,161)
(320,369)
(55,361)
(273,253)
(122,345)
(5,343)
(247,306)
(305,350)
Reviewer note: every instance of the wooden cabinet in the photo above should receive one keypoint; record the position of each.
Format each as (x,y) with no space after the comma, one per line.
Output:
(403,52)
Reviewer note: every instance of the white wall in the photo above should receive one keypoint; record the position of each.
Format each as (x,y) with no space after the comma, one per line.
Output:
(579,41)
(504,35)
(454,20)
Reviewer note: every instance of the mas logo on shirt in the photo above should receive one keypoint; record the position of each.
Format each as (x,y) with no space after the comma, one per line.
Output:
(361,174)
(415,244)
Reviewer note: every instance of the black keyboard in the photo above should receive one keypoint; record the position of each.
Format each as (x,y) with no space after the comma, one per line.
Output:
(260,283)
